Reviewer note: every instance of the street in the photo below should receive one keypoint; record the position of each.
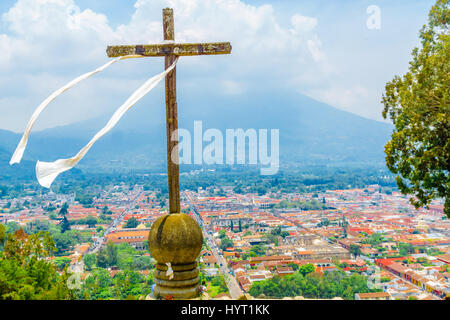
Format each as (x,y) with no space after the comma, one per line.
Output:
(98,244)
(233,286)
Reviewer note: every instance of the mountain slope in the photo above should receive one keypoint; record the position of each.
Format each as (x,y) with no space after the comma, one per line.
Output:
(310,131)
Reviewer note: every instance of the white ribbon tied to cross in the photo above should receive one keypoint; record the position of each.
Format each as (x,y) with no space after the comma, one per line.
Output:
(46,172)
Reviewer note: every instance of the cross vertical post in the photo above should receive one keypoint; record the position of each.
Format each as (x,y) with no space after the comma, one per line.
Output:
(171,118)
(175,240)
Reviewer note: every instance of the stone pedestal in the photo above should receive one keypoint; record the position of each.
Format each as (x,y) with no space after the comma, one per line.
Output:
(183,285)
(176,239)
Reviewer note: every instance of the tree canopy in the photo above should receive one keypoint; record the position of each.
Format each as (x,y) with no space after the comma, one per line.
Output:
(132,223)
(64,209)
(225,243)
(312,285)
(419,105)
(25,271)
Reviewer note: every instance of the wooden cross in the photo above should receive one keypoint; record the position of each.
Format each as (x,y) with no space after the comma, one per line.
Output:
(170,51)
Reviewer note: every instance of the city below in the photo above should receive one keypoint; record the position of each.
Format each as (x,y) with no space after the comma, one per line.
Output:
(361,244)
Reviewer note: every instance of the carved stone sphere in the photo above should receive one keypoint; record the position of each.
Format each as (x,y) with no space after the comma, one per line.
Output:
(175,238)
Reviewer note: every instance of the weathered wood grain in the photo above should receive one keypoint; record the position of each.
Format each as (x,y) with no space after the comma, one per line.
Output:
(176,49)
(173,170)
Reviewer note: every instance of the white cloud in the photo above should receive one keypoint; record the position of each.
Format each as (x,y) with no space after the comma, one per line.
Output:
(343,97)
(47,26)
(356,99)
(233,87)
(45,33)
(303,24)
(314,47)
(54,37)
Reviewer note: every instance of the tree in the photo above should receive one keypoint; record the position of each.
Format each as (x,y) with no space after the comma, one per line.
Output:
(90,221)
(63,242)
(101,259)
(132,223)
(25,271)
(62,262)
(65,225)
(405,249)
(2,234)
(36,226)
(419,105)
(89,261)
(306,268)
(141,263)
(284,234)
(238,189)
(63,211)
(270,238)
(313,285)
(222,234)
(276,231)
(111,254)
(293,266)
(12,226)
(3,191)
(97,285)
(85,199)
(126,284)
(355,250)
(374,239)
(106,210)
(258,250)
(261,190)
(226,243)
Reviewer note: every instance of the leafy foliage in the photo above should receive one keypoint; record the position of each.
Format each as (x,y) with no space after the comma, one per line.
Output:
(107,257)
(25,271)
(63,211)
(355,250)
(303,205)
(132,223)
(405,249)
(374,239)
(100,285)
(312,285)
(225,243)
(306,269)
(2,234)
(419,105)
(65,225)
(85,199)
(89,261)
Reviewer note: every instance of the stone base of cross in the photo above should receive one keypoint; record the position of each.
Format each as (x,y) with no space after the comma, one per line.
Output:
(175,240)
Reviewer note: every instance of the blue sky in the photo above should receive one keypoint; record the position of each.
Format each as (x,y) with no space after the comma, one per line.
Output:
(319,48)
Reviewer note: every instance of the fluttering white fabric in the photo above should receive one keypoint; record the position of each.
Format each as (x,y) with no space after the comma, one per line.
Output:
(46,172)
(18,153)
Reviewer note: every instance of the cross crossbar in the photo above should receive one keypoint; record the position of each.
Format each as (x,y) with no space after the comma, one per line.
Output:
(170,51)
(177,49)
